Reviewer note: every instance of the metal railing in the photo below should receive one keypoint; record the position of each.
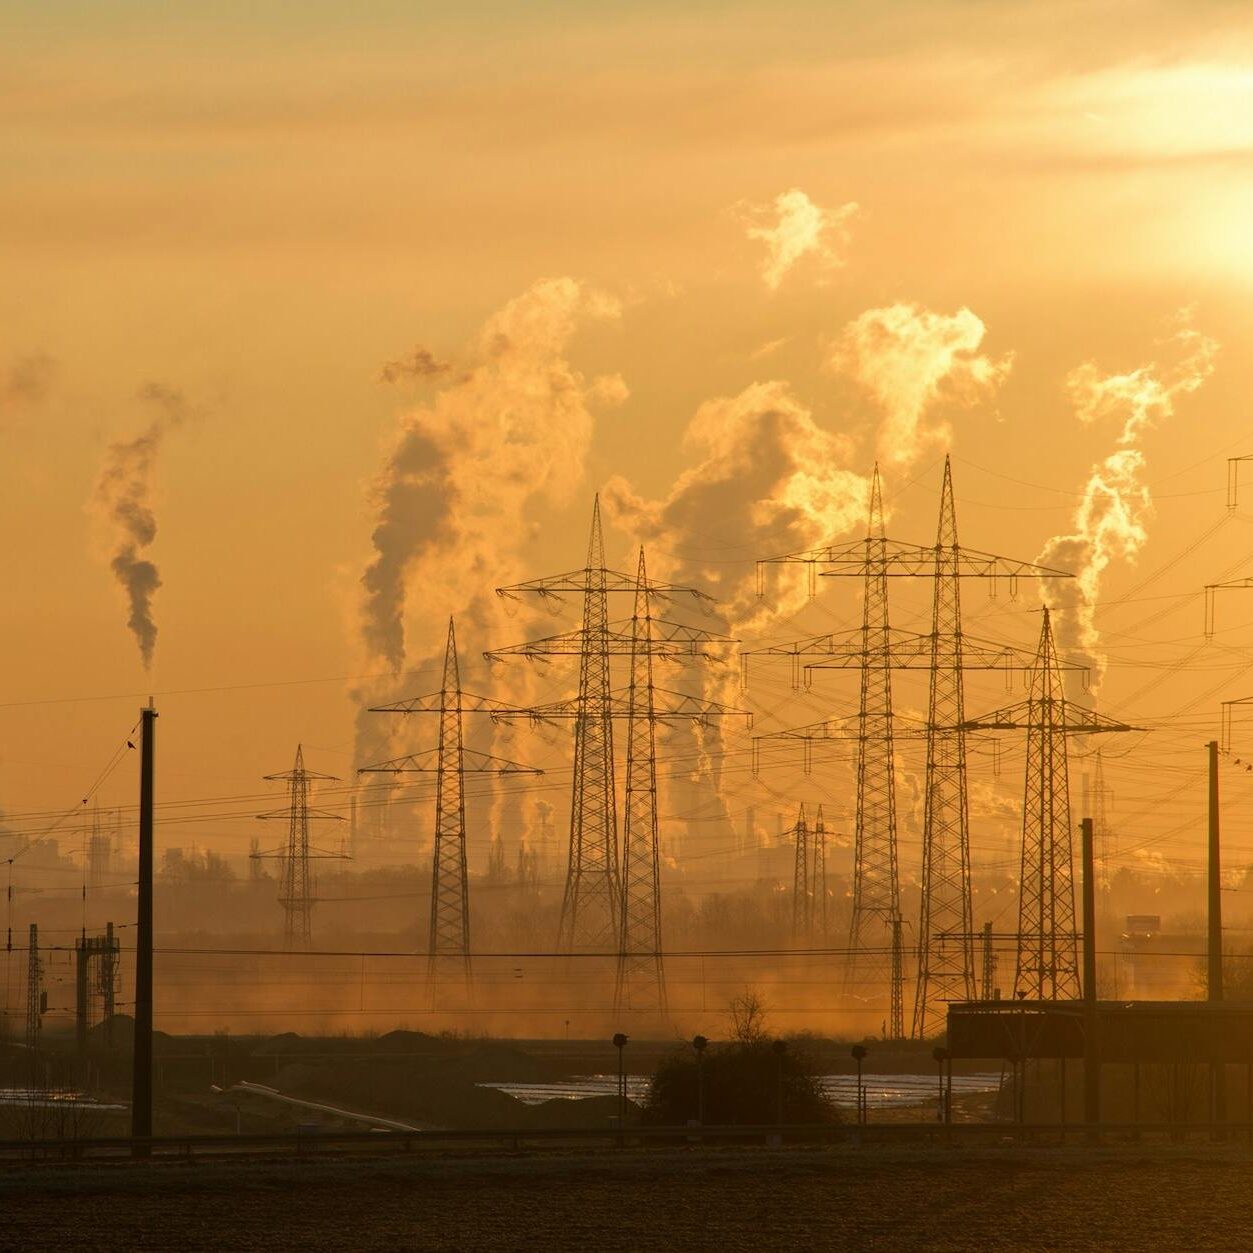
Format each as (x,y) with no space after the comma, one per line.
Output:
(302,1143)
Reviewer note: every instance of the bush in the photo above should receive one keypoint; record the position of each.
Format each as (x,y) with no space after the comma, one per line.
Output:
(741,1087)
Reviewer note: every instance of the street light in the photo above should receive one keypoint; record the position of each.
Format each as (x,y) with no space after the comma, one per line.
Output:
(859,1055)
(700,1044)
(942,1055)
(780,1048)
(620,1043)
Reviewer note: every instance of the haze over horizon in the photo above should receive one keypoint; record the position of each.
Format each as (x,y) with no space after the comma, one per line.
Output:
(338,332)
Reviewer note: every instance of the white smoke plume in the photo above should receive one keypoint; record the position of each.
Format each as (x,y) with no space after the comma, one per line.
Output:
(511,430)
(122,506)
(1110,521)
(515,427)
(908,357)
(767,479)
(792,227)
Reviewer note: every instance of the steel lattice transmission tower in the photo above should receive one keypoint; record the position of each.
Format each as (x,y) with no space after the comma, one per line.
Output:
(809,878)
(448,944)
(896,1010)
(802,901)
(640,983)
(590,914)
(296,889)
(1047,966)
(876,879)
(946,968)
(818,921)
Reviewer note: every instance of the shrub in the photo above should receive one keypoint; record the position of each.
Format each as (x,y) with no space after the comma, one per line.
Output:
(741,1083)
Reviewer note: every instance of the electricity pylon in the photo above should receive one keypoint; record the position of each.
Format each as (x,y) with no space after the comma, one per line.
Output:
(448,946)
(640,983)
(590,916)
(801,899)
(296,889)
(1047,966)
(818,919)
(946,966)
(809,879)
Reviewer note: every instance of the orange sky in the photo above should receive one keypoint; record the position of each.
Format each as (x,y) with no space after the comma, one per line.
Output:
(262,208)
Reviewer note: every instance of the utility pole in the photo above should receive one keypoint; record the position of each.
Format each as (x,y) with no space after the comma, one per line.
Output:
(1047,966)
(141,1083)
(296,890)
(448,941)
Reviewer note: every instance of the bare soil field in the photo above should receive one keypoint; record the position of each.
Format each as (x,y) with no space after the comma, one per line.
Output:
(1141,1198)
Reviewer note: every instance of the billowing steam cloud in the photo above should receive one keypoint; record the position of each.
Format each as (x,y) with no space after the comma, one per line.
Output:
(792,228)
(121,503)
(767,479)
(907,358)
(1110,520)
(514,427)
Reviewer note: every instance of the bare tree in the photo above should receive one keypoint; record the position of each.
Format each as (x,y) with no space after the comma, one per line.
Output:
(748,1016)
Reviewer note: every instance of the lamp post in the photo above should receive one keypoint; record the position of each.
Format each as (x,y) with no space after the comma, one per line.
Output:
(941,1056)
(779,1048)
(859,1055)
(620,1042)
(699,1045)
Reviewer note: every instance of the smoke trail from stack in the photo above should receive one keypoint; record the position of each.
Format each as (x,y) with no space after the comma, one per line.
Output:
(1110,523)
(510,431)
(122,506)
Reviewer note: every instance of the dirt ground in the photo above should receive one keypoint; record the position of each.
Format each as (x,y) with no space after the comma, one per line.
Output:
(725,1199)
